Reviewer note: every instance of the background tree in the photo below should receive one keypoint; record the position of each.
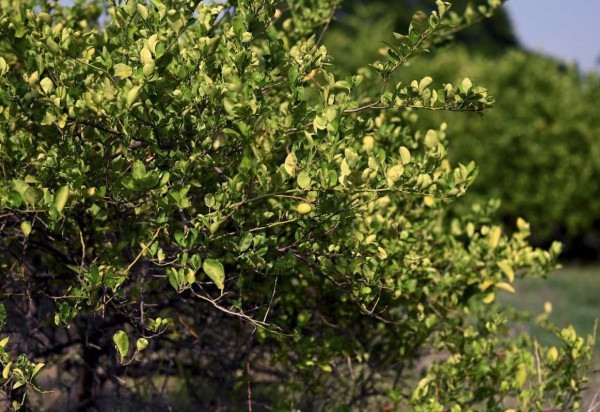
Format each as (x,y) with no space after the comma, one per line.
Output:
(362,25)
(190,194)
(531,145)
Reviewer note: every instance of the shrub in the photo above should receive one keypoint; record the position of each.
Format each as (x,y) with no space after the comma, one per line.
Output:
(188,190)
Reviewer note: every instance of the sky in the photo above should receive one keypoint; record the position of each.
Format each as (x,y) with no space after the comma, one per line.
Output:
(568,29)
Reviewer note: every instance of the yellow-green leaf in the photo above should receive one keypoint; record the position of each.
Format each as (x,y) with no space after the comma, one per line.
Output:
(190,276)
(26,227)
(303,180)
(394,173)
(215,271)
(4,342)
(441,7)
(61,197)
(424,83)
(521,376)
(485,285)
(505,286)
(122,70)
(494,237)
(148,69)
(121,341)
(431,138)
(467,84)
(3,66)
(143,10)
(33,78)
(490,297)
(291,162)
(405,155)
(507,270)
(138,170)
(141,344)
(381,253)
(6,370)
(552,354)
(132,95)
(146,56)
(37,368)
(152,42)
(47,85)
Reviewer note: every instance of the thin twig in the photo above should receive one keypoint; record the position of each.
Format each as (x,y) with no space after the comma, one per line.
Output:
(537,362)
(327,24)
(144,248)
(249,387)
(271,301)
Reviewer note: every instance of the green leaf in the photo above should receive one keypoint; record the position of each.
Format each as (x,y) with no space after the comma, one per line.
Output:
(61,197)
(173,277)
(303,180)
(246,242)
(209,200)
(121,341)
(32,195)
(215,271)
(419,22)
(122,70)
(138,170)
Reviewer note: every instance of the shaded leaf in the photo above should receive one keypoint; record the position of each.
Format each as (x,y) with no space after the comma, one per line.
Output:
(121,341)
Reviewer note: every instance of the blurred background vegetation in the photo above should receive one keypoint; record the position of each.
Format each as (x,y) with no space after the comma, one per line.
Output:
(540,155)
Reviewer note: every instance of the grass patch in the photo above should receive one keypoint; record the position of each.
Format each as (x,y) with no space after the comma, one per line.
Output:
(573,291)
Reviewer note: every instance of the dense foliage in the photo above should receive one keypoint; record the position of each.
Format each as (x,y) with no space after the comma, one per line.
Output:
(190,195)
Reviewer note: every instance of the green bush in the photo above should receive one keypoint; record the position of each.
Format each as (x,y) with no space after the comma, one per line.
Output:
(189,192)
